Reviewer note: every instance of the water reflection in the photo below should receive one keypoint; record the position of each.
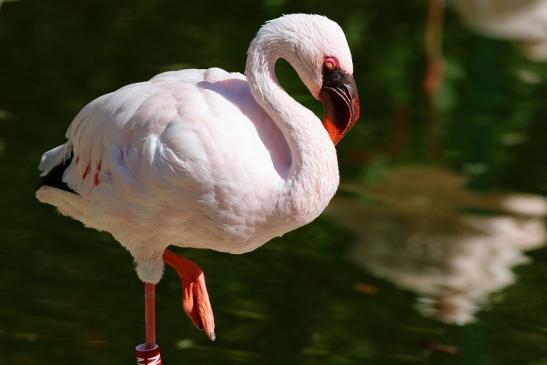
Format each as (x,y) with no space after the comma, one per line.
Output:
(523,21)
(420,229)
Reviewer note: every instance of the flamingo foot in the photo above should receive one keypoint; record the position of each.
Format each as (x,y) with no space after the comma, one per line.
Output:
(195,299)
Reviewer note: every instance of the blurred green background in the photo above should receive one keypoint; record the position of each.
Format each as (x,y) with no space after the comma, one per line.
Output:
(414,262)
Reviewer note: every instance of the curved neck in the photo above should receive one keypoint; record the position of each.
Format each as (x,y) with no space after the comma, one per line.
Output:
(313,177)
(307,139)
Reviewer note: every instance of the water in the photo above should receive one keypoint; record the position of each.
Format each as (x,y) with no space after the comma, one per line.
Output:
(426,256)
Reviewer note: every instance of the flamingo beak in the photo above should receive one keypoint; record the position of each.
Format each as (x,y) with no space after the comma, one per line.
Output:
(341,102)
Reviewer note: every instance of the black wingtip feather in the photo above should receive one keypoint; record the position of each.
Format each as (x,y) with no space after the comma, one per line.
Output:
(54,178)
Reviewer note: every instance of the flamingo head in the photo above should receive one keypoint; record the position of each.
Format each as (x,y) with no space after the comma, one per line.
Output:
(316,47)
(318,50)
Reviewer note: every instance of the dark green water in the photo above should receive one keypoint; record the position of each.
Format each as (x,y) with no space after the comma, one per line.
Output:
(420,237)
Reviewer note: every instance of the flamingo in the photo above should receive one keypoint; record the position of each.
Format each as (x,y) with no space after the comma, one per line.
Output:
(522,21)
(204,158)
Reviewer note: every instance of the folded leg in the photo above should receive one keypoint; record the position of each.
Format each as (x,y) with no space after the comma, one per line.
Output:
(195,299)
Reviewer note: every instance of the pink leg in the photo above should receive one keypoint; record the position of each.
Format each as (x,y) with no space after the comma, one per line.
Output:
(148,353)
(195,299)
(150,315)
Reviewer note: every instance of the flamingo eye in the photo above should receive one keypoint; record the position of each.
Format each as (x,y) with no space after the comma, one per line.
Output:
(330,63)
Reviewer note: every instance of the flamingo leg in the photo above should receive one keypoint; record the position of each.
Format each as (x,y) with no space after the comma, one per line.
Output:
(195,299)
(150,315)
(148,353)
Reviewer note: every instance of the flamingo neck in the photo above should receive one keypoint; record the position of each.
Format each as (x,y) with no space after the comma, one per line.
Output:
(313,177)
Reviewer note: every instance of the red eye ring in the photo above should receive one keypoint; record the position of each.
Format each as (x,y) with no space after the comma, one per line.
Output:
(330,63)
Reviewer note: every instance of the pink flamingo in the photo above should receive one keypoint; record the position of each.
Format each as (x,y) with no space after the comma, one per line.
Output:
(207,158)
